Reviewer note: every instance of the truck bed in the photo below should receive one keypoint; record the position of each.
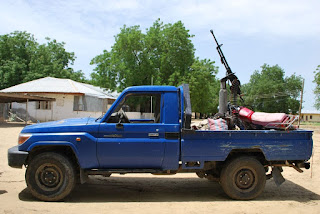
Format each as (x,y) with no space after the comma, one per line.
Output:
(275,145)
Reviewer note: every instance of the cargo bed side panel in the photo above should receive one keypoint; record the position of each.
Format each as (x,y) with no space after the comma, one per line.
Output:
(216,145)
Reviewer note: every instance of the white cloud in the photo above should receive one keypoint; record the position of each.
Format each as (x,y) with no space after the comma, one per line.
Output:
(102,19)
(279,18)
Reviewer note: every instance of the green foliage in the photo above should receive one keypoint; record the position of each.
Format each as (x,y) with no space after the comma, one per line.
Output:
(204,87)
(317,89)
(22,59)
(309,124)
(15,55)
(163,53)
(270,91)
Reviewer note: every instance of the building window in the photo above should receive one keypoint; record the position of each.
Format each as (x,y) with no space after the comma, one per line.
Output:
(78,103)
(310,117)
(46,105)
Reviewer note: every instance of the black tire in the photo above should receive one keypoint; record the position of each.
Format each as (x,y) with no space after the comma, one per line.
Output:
(243,178)
(50,176)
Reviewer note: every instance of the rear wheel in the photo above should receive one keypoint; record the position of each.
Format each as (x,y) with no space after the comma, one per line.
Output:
(243,178)
(50,176)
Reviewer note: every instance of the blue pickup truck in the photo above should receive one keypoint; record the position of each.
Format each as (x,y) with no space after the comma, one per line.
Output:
(147,130)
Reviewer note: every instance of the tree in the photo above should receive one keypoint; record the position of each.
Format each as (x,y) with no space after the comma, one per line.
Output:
(23,59)
(317,89)
(51,59)
(164,53)
(16,51)
(204,86)
(270,91)
(171,52)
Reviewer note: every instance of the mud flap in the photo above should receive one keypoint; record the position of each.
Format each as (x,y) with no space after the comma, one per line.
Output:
(277,176)
(83,176)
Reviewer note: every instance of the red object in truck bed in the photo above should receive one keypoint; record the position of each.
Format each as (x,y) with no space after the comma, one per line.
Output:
(262,118)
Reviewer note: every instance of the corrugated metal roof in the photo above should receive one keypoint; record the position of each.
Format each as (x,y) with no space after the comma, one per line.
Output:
(57,85)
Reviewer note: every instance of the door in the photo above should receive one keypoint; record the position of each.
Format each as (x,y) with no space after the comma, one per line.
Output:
(133,136)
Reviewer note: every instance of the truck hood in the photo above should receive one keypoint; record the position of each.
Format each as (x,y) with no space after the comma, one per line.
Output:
(65,125)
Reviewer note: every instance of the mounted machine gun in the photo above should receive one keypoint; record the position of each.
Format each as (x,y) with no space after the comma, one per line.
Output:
(235,83)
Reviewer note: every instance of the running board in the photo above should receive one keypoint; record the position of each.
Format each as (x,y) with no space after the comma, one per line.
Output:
(120,171)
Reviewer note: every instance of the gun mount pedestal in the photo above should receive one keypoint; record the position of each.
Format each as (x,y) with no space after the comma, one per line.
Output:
(223,98)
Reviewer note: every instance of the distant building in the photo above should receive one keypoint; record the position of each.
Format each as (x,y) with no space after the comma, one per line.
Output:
(310,117)
(72,99)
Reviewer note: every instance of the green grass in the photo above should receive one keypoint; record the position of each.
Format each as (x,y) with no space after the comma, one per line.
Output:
(310,123)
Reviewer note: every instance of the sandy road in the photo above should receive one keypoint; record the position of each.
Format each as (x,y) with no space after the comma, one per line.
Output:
(140,193)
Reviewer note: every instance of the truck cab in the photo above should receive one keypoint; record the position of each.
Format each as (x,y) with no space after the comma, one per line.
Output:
(141,130)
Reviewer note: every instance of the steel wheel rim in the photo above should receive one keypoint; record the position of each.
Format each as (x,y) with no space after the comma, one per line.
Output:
(49,177)
(245,179)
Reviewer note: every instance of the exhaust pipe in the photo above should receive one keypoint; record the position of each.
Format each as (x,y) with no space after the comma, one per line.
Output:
(305,165)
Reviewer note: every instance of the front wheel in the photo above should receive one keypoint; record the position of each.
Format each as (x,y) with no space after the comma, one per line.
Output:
(50,176)
(243,178)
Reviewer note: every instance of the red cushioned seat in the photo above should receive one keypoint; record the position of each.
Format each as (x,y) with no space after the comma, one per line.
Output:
(262,118)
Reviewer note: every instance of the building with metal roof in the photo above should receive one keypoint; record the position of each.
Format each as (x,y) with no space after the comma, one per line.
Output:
(70,99)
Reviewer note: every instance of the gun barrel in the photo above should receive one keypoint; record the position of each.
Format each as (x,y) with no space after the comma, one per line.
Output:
(211,31)
(223,59)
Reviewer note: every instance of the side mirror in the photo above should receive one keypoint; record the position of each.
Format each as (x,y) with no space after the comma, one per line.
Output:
(119,126)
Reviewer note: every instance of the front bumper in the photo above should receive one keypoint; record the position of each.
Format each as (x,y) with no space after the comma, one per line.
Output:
(16,158)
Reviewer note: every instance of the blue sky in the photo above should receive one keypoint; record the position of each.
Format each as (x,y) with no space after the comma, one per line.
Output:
(253,32)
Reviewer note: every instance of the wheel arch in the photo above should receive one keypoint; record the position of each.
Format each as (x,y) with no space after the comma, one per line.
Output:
(65,149)
(254,152)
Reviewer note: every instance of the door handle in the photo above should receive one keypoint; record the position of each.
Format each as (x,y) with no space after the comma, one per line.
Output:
(119,126)
(153,134)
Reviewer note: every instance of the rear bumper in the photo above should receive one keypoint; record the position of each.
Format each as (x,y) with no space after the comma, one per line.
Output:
(16,158)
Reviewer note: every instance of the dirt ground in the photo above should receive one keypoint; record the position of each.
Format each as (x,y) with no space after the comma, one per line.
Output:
(144,193)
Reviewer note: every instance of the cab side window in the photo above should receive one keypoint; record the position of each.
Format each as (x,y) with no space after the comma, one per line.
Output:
(138,108)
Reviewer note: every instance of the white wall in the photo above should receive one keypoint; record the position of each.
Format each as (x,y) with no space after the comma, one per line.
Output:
(61,108)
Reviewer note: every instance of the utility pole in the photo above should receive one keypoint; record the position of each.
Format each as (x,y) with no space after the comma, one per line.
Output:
(27,111)
(301,100)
